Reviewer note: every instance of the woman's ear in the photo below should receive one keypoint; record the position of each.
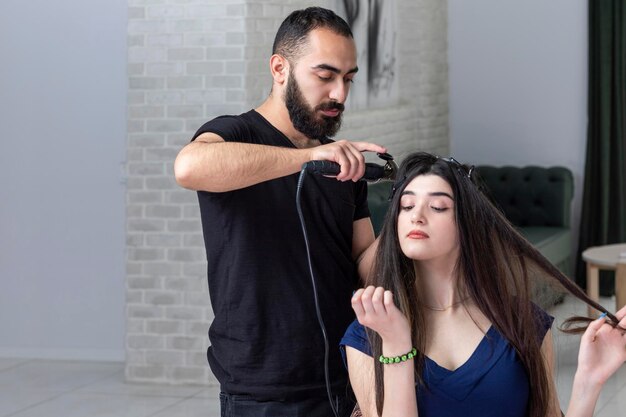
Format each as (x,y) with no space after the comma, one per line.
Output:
(279,67)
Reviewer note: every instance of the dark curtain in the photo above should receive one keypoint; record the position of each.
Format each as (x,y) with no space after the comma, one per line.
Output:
(603,217)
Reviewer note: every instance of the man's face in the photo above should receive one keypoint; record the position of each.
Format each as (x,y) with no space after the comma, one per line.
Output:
(319,82)
(315,123)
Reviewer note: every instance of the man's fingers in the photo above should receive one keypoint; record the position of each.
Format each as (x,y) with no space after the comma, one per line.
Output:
(351,161)
(358,165)
(349,156)
(354,164)
(369,147)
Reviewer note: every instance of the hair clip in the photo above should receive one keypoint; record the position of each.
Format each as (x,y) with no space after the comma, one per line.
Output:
(462,169)
(396,186)
(470,172)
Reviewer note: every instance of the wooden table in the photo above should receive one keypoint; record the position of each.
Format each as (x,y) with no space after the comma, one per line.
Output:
(608,257)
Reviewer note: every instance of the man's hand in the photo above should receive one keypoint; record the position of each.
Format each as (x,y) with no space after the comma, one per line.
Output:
(348,155)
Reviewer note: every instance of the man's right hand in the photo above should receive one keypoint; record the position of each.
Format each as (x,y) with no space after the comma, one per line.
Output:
(349,156)
(210,164)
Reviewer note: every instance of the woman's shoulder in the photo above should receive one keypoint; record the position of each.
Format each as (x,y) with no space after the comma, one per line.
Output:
(356,337)
(542,318)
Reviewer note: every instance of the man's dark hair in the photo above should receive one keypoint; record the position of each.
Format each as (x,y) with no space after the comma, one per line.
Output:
(292,33)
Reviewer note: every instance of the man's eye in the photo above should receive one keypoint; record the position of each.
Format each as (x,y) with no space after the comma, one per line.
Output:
(324,78)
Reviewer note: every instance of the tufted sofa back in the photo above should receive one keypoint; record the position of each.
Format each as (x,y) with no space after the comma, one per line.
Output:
(378,202)
(531,195)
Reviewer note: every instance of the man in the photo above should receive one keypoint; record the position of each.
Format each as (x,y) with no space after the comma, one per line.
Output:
(267,349)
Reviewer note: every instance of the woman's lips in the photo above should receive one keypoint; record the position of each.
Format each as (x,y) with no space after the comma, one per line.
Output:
(417,234)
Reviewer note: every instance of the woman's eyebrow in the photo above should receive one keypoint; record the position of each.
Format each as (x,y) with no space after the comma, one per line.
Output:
(432,194)
(441,194)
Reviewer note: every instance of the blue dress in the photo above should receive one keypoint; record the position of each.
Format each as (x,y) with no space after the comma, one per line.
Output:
(491,383)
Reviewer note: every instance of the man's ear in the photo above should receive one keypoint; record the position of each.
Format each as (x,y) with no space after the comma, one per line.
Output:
(279,67)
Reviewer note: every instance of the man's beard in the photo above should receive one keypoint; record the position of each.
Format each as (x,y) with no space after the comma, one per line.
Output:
(305,119)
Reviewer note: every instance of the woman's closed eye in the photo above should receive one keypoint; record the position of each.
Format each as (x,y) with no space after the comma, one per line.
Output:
(439,209)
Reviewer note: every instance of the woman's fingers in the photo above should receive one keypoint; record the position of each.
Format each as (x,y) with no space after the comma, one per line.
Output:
(371,305)
(621,314)
(377,301)
(357,306)
(388,300)
(593,328)
(375,309)
(366,300)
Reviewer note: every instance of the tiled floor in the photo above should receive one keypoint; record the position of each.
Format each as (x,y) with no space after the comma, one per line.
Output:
(37,388)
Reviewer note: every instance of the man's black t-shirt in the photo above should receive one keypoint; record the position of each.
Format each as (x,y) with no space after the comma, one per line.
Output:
(265,339)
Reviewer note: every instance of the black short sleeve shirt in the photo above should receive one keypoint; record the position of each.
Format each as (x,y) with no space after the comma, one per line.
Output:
(265,338)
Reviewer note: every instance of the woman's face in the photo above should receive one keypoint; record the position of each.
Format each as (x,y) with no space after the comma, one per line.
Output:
(426,225)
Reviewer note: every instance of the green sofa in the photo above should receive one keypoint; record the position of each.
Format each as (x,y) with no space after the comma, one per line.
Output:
(535,199)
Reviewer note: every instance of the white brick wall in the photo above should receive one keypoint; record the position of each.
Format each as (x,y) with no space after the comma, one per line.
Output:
(192,60)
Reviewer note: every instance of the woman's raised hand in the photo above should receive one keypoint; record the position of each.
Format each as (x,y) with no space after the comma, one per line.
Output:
(602,349)
(374,308)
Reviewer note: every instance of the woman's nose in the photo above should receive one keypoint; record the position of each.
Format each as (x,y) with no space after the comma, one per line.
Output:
(417,217)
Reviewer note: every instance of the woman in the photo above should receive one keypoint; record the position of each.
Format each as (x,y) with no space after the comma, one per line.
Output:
(448,304)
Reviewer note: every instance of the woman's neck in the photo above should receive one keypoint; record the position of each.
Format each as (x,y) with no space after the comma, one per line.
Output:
(439,283)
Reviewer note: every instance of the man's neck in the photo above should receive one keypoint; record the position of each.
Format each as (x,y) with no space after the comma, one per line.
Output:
(275,112)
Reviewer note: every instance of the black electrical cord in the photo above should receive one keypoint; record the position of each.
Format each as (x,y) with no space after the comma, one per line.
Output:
(315,296)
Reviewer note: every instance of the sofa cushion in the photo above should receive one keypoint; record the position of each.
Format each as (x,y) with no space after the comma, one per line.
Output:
(553,242)
(531,195)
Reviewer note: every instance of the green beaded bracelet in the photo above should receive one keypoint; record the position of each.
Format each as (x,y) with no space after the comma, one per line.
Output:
(397,359)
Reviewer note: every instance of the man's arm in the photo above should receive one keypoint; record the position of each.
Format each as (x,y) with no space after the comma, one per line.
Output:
(211,164)
(364,246)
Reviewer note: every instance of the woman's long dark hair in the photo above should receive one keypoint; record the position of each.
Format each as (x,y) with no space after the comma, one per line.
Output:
(497,268)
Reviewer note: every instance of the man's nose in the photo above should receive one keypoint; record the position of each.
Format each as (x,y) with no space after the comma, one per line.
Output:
(340,90)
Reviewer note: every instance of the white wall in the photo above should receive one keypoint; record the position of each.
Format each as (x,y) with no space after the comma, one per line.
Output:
(518,84)
(62,130)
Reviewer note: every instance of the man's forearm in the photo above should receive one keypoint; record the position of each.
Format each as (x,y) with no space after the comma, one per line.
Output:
(365,261)
(226,166)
